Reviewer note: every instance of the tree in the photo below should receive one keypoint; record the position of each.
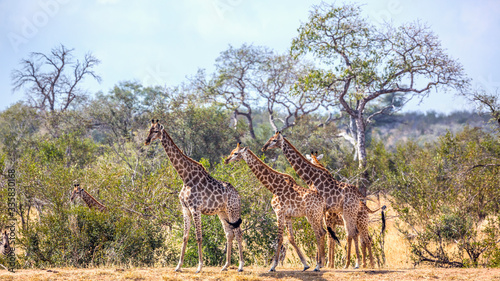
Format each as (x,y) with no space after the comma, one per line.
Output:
(230,85)
(486,101)
(279,82)
(52,81)
(364,62)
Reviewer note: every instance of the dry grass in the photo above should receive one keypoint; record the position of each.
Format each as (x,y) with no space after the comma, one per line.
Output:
(398,267)
(250,273)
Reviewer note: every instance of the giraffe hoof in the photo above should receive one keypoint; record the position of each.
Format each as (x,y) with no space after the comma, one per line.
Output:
(272,270)
(306,268)
(356,267)
(224,269)
(240,269)
(316,270)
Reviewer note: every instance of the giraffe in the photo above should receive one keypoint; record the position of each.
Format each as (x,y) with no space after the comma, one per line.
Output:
(341,198)
(289,200)
(87,198)
(201,194)
(362,222)
(5,248)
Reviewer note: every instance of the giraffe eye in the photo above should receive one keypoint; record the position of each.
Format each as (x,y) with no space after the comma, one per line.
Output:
(236,153)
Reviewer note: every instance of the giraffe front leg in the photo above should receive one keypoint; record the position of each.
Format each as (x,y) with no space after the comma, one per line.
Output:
(292,241)
(187,226)
(281,226)
(199,238)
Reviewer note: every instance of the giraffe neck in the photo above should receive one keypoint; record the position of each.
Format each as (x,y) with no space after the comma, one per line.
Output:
(307,171)
(269,177)
(181,162)
(91,201)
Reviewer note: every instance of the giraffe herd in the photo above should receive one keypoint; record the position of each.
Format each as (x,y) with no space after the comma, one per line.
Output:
(327,200)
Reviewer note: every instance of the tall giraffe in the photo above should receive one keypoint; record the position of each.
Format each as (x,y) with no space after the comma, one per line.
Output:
(87,198)
(341,198)
(331,219)
(201,194)
(362,222)
(289,200)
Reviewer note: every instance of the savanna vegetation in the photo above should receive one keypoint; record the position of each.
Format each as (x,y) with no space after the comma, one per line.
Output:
(440,173)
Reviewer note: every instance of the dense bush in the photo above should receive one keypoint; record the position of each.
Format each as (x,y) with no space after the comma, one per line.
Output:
(441,191)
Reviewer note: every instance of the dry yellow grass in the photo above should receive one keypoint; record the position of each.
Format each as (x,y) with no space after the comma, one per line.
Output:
(398,267)
(250,274)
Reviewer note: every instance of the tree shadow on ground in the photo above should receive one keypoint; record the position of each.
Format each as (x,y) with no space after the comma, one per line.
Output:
(322,275)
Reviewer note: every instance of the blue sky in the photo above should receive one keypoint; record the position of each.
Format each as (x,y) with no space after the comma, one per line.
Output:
(162,42)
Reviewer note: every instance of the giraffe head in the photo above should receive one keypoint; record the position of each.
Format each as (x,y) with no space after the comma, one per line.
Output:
(314,158)
(154,132)
(5,243)
(274,142)
(77,190)
(5,238)
(236,154)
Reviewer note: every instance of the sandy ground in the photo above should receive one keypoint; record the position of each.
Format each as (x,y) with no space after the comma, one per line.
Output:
(251,273)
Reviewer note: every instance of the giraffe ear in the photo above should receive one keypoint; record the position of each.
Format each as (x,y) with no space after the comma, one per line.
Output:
(319,157)
(308,157)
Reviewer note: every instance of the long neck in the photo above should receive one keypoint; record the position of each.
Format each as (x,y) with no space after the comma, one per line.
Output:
(306,170)
(269,177)
(91,201)
(181,162)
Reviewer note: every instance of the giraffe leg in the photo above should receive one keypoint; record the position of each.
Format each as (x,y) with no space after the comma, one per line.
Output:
(331,252)
(319,232)
(239,238)
(292,241)
(351,229)
(199,238)
(356,247)
(187,226)
(229,237)
(363,250)
(368,244)
(331,221)
(281,226)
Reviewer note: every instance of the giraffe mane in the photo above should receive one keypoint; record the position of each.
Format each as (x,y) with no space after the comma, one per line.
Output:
(304,158)
(164,132)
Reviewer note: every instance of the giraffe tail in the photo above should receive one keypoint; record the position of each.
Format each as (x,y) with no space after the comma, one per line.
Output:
(332,234)
(383,219)
(235,224)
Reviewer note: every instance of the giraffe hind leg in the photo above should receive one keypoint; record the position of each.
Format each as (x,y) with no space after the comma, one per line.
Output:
(199,238)
(229,238)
